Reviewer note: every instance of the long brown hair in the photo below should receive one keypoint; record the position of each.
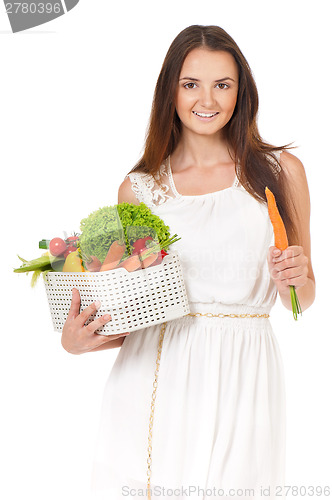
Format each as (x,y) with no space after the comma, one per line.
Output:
(255,156)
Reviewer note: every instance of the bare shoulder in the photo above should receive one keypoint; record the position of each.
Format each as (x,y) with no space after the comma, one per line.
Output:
(297,179)
(292,166)
(299,192)
(126,194)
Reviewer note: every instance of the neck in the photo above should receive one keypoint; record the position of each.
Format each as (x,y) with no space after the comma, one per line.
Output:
(202,150)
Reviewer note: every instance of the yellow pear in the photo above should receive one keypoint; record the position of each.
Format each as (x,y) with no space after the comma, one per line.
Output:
(73,263)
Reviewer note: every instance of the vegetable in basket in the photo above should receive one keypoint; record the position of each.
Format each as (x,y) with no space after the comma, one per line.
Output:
(73,263)
(124,235)
(125,223)
(113,257)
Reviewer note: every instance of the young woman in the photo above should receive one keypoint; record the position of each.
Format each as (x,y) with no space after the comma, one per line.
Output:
(218,423)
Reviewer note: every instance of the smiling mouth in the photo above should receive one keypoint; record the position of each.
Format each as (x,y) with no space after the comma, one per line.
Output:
(205,115)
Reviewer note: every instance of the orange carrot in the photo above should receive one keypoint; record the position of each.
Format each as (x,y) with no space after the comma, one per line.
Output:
(110,266)
(281,242)
(139,261)
(94,265)
(148,261)
(113,257)
(280,235)
(132,263)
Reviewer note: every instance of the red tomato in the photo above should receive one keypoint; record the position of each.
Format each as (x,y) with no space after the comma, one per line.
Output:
(71,239)
(57,247)
(140,243)
(71,245)
(70,249)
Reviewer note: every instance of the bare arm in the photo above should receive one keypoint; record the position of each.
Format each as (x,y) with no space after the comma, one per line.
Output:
(293,266)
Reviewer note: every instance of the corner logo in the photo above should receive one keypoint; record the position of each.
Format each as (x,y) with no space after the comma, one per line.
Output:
(25,15)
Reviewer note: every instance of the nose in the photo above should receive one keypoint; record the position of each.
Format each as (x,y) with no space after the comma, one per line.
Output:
(206,97)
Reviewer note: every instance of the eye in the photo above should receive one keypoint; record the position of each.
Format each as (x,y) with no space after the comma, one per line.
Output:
(224,84)
(190,83)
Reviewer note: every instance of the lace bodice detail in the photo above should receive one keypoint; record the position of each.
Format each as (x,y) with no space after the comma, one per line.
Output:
(154,190)
(149,189)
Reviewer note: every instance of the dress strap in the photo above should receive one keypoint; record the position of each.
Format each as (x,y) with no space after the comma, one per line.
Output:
(236,181)
(154,190)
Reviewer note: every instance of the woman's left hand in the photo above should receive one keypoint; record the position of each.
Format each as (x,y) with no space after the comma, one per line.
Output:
(289,267)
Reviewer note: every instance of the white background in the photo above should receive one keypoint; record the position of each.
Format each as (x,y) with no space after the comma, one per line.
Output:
(75,101)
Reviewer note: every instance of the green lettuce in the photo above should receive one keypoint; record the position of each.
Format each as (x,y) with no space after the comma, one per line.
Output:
(125,222)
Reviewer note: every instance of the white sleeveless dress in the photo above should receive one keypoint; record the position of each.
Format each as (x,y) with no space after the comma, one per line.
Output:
(219,419)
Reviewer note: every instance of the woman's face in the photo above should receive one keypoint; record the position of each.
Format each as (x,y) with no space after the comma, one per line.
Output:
(208,85)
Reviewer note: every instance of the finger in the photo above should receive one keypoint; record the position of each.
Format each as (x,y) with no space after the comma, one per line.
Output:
(75,304)
(270,256)
(274,251)
(283,273)
(289,253)
(275,274)
(294,272)
(88,311)
(289,263)
(297,281)
(98,323)
(298,261)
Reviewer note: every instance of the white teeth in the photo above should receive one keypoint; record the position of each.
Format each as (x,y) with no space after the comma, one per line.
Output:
(205,115)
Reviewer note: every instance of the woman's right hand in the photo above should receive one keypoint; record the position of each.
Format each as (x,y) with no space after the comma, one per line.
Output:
(77,338)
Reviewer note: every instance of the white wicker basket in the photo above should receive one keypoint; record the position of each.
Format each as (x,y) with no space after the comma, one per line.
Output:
(133,299)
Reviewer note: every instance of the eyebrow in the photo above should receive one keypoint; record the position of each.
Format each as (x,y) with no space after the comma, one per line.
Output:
(197,80)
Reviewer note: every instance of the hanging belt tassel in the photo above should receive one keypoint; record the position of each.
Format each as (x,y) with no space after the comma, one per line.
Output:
(155,383)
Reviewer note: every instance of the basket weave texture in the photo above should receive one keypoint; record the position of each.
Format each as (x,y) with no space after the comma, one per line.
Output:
(133,299)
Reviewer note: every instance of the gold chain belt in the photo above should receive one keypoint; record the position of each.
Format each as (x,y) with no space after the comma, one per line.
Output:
(220,315)
(155,383)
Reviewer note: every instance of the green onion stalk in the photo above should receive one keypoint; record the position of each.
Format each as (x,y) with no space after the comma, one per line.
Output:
(159,246)
(296,307)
